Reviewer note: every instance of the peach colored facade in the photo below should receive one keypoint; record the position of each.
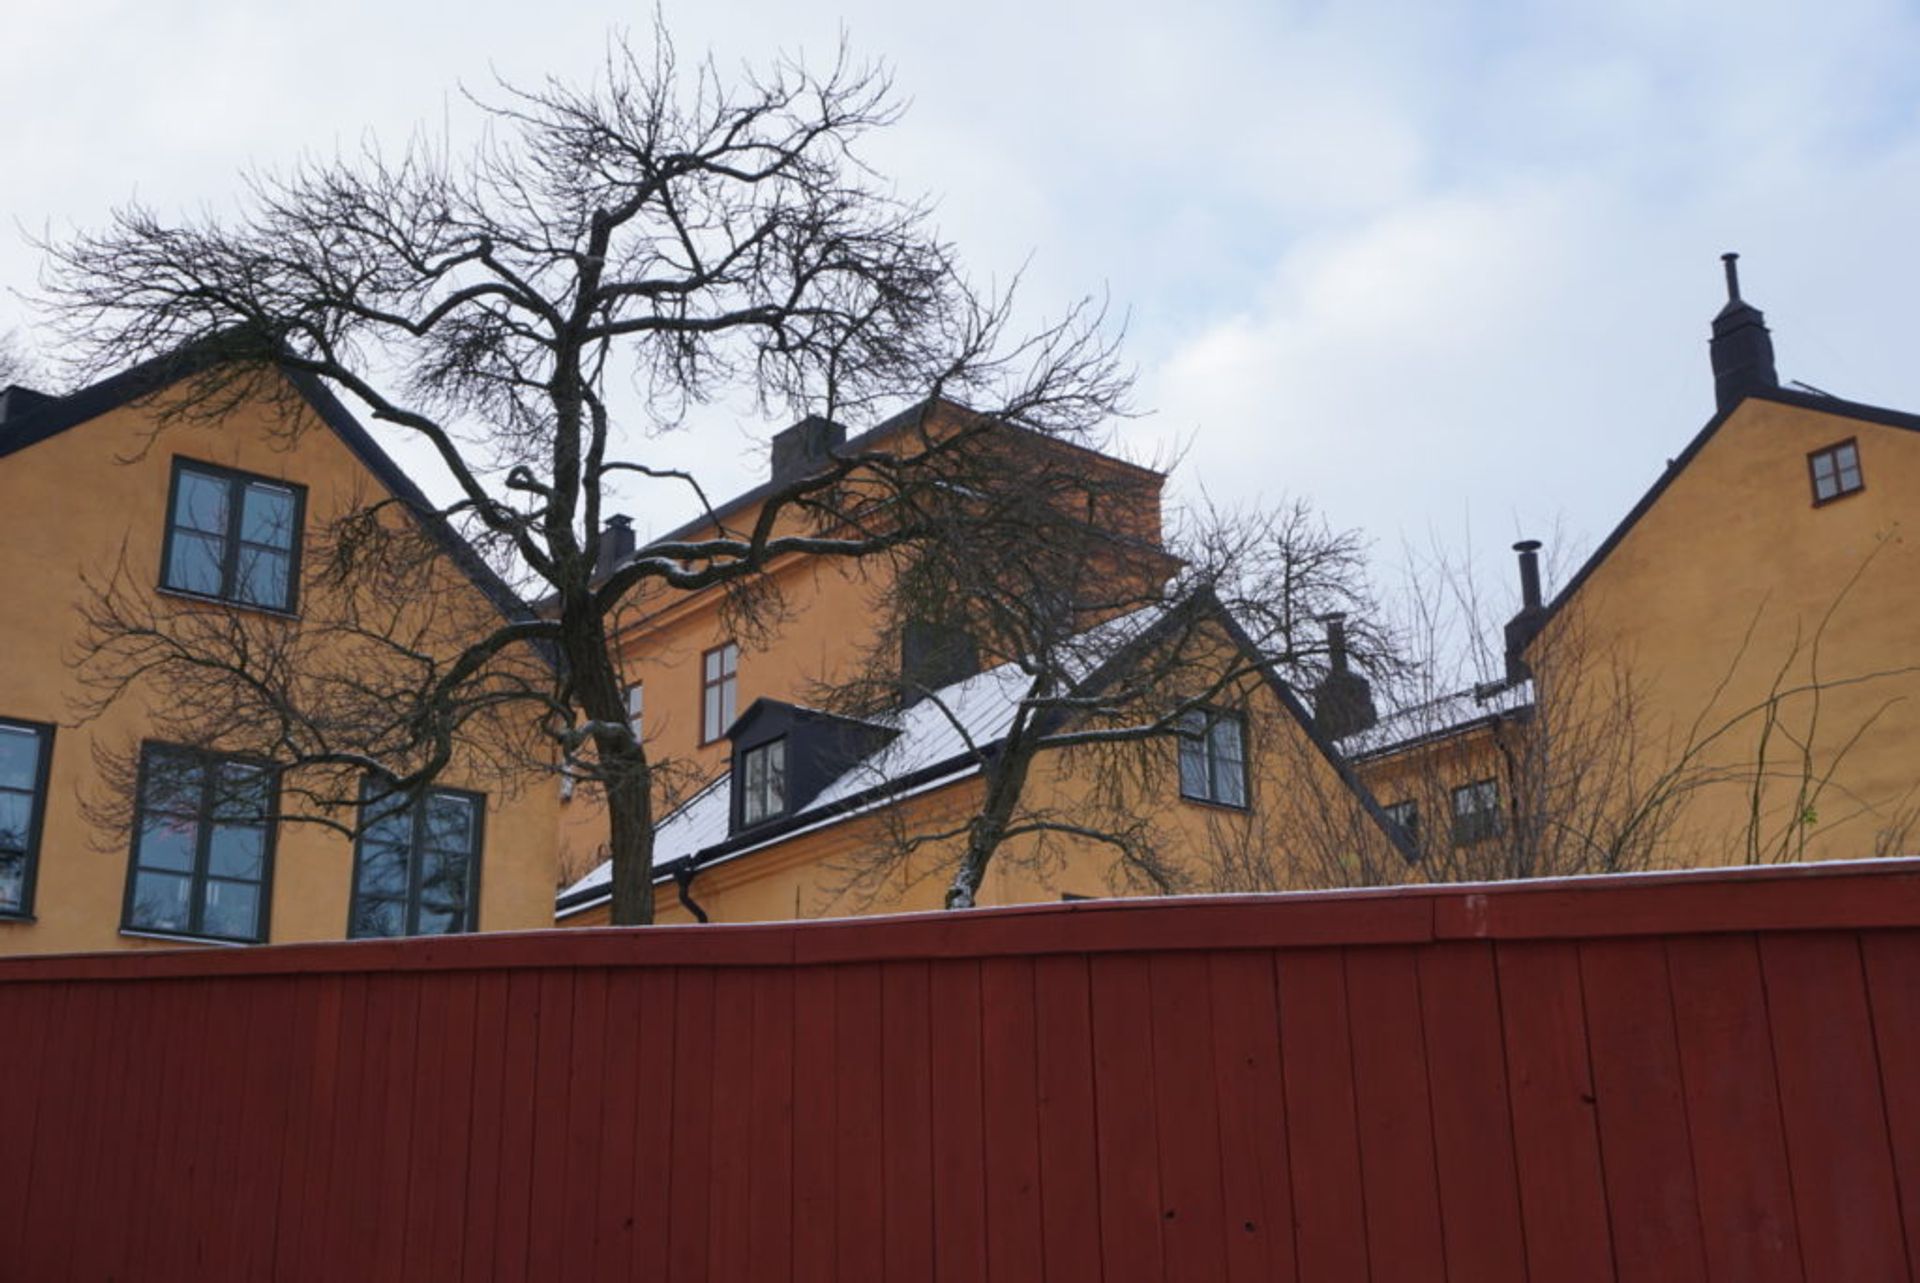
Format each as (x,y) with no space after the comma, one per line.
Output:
(827,619)
(94,496)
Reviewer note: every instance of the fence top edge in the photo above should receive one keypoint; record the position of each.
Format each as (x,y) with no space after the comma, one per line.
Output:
(1843,895)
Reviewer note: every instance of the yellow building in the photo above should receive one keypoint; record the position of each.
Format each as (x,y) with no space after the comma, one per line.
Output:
(1732,676)
(726,713)
(111,837)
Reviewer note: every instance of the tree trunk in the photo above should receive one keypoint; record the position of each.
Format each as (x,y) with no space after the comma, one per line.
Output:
(625,775)
(1006,780)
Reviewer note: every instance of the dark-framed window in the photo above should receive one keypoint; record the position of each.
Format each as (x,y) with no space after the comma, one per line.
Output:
(1213,756)
(1476,812)
(1835,471)
(1405,818)
(202,861)
(416,867)
(26,755)
(233,536)
(719,690)
(763,782)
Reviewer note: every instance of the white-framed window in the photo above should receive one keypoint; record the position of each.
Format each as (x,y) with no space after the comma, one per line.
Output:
(1213,757)
(719,690)
(763,782)
(636,709)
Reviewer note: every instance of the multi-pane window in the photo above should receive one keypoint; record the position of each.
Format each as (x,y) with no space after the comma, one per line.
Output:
(763,782)
(232,536)
(202,845)
(636,709)
(1835,471)
(26,749)
(1213,759)
(1405,819)
(416,866)
(719,691)
(1476,812)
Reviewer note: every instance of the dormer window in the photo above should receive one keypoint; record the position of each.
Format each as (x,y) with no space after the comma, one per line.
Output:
(763,782)
(1835,472)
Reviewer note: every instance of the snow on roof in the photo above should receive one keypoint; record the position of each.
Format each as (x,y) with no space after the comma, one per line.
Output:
(1437,717)
(965,716)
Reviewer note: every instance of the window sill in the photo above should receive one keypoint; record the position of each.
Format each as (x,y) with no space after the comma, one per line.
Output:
(1240,808)
(183,937)
(22,916)
(226,603)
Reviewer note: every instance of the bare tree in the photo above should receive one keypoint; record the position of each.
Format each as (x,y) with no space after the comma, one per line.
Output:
(535,312)
(1111,658)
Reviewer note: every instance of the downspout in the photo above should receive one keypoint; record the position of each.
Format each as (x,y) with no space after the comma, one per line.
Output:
(683,873)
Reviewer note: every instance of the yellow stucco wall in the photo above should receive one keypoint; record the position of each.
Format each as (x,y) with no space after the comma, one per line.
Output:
(75,504)
(1301,823)
(1734,585)
(1744,653)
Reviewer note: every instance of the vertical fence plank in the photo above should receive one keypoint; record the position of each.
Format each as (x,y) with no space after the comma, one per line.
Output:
(1188,1118)
(1130,1198)
(304,1195)
(1008,1081)
(583,1125)
(1256,1182)
(1845,1205)
(442,1226)
(1069,1147)
(548,1218)
(429,1129)
(816,1127)
(486,1139)
(1555,1136)
(1733,1109)
(398,1135)
(1472,1128)
(519,1113)
(656,1126)
(618,1096)
(728,1175)
(1641,1110)
(1395,1121)
(1322,1127)
(118,1210)
(862,1208)
(958,1123)
(906,1102)
(769,1210)
(692,1104)
(1893,988)
(26,1011)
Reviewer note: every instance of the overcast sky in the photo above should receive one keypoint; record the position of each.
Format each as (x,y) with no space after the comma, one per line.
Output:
(1439,268)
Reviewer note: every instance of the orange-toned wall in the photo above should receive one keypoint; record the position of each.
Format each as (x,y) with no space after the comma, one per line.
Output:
(1292,788)
(1706,599)
(821,629)
(72,507)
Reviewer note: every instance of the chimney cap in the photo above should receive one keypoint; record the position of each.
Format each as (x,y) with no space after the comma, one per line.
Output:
(1527,545)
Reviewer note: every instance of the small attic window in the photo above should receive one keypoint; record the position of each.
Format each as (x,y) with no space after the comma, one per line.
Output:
(1835,472)
(763,782)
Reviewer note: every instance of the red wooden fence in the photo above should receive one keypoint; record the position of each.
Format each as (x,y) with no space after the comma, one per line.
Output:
(1674,1077)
